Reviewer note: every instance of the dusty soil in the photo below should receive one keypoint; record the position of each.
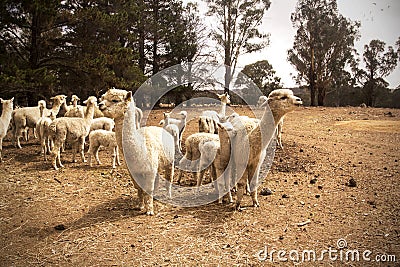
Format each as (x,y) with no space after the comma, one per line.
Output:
(82,216)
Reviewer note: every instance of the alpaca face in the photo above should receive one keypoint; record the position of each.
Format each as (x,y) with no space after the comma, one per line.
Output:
(58,99)
(91,101)
(225,98)
(283,101)
(114,103)
(7,104)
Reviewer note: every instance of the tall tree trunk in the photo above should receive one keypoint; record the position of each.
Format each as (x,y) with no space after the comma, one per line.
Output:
(313,89)
(155,36)
(321,95)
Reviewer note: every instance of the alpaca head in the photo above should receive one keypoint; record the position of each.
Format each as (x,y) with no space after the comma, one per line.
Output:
(224,98)
(58,100)
(115,102)
(261,100)
(91,101)
(282,101)
(42,104)
(75,99)
(7,104)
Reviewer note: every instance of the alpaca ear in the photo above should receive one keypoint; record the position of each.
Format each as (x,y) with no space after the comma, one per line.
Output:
(128,96)
(52,98)
(1,100)
(12,99)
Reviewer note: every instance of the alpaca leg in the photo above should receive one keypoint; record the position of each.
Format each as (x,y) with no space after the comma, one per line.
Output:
(82,149)
(54,156)
(117,155)
(34,133)
(74,151)
(241,187)
(59,157)
(1,149)
(169,175)
(18,135)
(226,184)
(148,192)
(114,158)
(96,153)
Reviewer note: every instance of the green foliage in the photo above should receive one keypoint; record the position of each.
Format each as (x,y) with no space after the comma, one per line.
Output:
(323,46)
(263,75)
(238,31)
(379,63)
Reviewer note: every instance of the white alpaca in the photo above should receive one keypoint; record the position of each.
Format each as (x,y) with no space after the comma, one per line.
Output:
(218,155)
(148,151)
(104,138)
(173,129)
(225,99)
(191,159)
(74,110)
(7,107)
(281,101)
(72,130)
(28,117)
(102,123)
(180,121)
(43,130)
(207,125)
(261,101)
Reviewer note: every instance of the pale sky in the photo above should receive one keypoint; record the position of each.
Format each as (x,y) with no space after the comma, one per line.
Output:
(380,19)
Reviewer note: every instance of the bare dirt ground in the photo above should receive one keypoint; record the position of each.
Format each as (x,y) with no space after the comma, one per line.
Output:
(82,216)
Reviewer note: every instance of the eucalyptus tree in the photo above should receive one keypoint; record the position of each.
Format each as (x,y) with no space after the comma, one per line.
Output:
(323,45)
(238,31)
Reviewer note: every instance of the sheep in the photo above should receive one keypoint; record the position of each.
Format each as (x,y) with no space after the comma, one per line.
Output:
(250,155)
(102,123)
(173,129)
(74,110)
(42,129)
(218,155)
(23,118)
(190,161)
(7,109)
(73,130)
(148,151)
(104,138)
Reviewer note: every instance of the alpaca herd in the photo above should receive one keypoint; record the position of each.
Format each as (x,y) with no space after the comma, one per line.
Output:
(233,147)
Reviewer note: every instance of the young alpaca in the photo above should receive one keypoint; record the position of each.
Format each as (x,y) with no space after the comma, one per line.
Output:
(5,121)
(102,123)
(28,117)
(218,155)
(104,138)
(43,131)
(148,151)
(190,161)
(73,130)
(173,129)
(74,110)
(281,102)
(181,122)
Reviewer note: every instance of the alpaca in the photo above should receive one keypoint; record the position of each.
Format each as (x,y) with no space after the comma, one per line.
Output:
(104,138)
(261,100)
(42,130)
(225,99)
(190,161)
(73,130)
(207,125)
(148,151)
(102,123)
(5,121)
(218,155)
(28,117)
(181,122)
(280,101)
(173,129)
(74,110)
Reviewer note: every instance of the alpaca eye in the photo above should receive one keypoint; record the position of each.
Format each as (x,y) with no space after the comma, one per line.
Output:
(115,100)
(284,97)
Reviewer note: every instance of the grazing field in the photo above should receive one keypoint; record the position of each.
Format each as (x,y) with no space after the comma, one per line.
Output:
(337,178)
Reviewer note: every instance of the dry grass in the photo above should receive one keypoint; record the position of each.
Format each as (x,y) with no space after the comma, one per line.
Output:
(93,208)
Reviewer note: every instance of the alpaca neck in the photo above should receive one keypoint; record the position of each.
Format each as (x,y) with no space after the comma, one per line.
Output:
(223,109)
(89,113)
(56,108)
(41,109)
(261,136)
(6,116)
